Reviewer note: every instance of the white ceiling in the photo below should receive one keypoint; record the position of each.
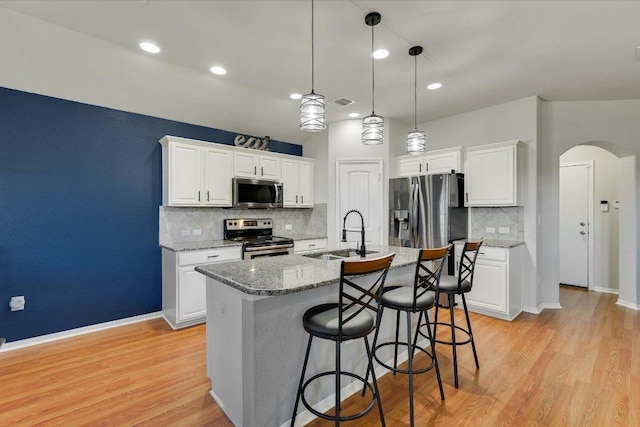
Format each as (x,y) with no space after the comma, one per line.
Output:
(484,52)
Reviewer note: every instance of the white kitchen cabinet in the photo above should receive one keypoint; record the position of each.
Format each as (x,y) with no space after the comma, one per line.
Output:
(432,162)
(297,179)
(195,173)
(496,287)
(494,175)
(183,288)
(254,165)
(308,246)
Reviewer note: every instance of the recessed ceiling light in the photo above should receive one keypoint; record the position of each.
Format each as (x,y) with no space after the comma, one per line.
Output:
(354,115)
(218,70)
(380,53)
(295,96)
(149,47)
(434,86)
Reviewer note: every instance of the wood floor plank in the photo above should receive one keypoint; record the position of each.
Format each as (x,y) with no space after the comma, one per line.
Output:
(578,366)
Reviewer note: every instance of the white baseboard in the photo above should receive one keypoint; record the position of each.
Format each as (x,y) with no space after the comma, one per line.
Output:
(605,290)
(541,307)
(628,304)
(305,417)
(78,331)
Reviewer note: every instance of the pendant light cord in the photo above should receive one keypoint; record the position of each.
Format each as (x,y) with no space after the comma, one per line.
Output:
(373,78)
(415,93)
(312,49)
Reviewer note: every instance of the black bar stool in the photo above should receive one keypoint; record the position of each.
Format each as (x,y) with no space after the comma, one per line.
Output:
(346,320)
(418,298)
(452,286)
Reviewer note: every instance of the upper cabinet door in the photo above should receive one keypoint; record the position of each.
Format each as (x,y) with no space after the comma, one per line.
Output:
(270,168)
(306,184)
(492,175)
(185,174)
(411,166)
(443,162)
(245,164)
(218,165)
(290,183)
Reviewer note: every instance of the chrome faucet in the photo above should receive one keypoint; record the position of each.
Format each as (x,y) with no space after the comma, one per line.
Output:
(362,251)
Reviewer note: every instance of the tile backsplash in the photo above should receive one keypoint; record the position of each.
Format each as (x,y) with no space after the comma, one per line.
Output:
(178,224)
(511,218)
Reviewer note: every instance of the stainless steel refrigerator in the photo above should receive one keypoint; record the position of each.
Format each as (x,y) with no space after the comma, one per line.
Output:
(427,211)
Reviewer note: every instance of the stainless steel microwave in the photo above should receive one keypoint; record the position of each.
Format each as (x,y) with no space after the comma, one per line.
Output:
(256,193)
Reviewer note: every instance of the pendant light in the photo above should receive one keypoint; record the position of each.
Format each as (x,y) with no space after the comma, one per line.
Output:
(372,125)
(313,114)
(416,138)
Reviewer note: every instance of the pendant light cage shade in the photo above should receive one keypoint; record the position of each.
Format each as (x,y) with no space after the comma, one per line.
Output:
(416,139)
(373,130)
(313,113)
(373,125)
(416,142)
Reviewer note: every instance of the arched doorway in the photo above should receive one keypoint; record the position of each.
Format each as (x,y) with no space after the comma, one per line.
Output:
(589,218)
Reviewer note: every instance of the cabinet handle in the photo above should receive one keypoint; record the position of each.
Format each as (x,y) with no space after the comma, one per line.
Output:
(427,165)
(302,199)
(213,256)
(198,196)
(420,170)
(296,198)
(261,170)
(312,246)
(466,195)
(255,170)
(208,196)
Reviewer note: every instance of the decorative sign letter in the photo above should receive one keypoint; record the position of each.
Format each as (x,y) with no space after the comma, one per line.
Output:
(255,143)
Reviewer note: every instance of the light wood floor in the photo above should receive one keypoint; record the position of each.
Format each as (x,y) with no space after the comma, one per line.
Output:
(571,367)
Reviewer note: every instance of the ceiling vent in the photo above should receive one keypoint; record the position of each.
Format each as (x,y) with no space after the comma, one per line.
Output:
(341,102)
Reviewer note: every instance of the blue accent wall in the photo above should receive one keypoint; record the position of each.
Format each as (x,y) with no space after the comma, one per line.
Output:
(80,187)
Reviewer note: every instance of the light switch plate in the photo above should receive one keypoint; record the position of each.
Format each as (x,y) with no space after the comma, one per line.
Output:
(503,230)
(288,227)
(490,229)
(185,233)
(196,232)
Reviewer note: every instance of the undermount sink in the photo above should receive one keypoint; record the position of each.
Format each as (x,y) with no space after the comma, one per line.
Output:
(337,254)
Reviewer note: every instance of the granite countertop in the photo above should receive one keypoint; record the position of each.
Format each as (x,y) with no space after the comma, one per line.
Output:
(197,246)
(507,244)
(281,275)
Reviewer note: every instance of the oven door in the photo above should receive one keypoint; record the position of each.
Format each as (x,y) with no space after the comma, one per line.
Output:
(257,252)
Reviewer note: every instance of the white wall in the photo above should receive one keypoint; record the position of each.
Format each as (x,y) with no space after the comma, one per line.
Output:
(504,122)
(317,148)
(603,224)
(613,125)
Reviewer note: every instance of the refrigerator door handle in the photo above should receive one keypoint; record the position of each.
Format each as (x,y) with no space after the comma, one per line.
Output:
(414,213)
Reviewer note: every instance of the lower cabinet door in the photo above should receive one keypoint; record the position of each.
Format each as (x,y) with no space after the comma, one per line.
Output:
(489,286)
(191,294)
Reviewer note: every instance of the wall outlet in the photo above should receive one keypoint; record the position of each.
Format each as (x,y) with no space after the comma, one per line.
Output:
(288,227)
(196,232)
(185,233)
(17,303)
(490,229)
(504,230)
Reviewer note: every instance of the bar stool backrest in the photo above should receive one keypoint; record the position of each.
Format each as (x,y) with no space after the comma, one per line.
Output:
(353,294)
(468,263)
(428,271)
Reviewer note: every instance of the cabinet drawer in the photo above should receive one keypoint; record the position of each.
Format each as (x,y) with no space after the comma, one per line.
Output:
(309,245)
(209,256)
(494,254)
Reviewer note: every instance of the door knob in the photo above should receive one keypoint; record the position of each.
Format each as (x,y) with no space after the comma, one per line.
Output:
(582,232)
(582,224)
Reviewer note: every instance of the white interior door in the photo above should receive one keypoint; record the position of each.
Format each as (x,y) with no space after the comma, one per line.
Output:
(360,187)
(575,206)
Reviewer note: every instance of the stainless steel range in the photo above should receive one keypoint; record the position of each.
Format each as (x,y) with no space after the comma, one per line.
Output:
(256,237)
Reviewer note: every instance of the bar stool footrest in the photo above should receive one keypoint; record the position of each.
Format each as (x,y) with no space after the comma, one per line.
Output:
(342,417)
(448,325)
(404,371)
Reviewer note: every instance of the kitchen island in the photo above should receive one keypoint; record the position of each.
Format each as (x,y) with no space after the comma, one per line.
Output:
(255,338)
